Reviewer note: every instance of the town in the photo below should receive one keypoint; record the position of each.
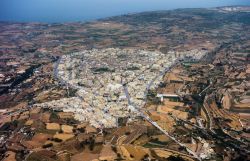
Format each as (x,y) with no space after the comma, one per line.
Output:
(111,83)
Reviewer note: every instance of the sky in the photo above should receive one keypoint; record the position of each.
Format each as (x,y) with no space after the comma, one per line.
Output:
(87,10)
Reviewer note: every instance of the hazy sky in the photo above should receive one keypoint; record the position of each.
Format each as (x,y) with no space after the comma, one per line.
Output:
(84,10)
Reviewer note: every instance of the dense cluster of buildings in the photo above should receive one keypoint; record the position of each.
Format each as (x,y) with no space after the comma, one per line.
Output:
(111,83)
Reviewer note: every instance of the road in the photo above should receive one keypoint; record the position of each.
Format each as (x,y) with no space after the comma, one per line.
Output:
(210,84)
(210,121)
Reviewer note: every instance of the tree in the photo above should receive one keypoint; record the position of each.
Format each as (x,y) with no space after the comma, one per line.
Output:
(57,140)
(91,144)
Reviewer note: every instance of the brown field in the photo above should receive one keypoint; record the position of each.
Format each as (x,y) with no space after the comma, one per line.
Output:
(86,154)
(20,105)
(82,125)
(90,129)
(35,156)
(11,156)
(171,104)
(5,119)
(172,88)
(161,138)
(245,116)
(63,136)
(177,113)
(67,128)
(165,153)
(24,115)
(141,140)
(37,141)
(45,117)
(107,153)
(135,133)
(162,153)
(136,151)
(29,122)
(53,126)
(49,95)
(31,144)
(242,106)
(71,146)
(121,139)
(41,137)
(124,152)
(83,136)
(65,156)
(163,120)
(35,110)
(172,77)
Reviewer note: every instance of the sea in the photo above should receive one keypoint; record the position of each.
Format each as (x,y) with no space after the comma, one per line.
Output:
(54,11)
